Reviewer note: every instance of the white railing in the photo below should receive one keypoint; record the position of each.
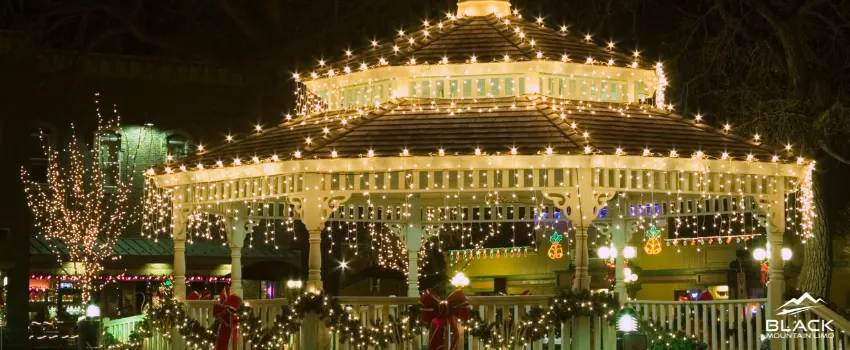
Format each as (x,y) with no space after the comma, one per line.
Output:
(722,324)
(201,310)
(267,309)
(121,328)
(491,309)
(159,341)
(801,339)
(368,309)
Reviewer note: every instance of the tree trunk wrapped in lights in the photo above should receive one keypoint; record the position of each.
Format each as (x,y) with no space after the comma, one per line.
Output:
(83,205)
(816,271)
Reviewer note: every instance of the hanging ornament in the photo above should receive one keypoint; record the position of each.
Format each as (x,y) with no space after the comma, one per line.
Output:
(555,251)
(653,245)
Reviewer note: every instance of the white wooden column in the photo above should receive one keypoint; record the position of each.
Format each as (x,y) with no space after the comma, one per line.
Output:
(776,282)
(315,207)
(413,240)
(179,236)
(584,203)
(582,275)
(618,237)
(179,221)
(776,266)
(314,262)
(180,268)
(236,235)
(581,280)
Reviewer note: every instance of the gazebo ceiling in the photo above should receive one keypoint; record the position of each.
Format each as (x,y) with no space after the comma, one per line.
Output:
(524,125)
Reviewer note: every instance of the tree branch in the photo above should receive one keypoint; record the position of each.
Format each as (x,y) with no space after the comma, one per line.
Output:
(832,153)
(246,24)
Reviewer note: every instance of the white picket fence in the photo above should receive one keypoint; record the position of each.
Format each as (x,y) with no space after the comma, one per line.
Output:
(722,324)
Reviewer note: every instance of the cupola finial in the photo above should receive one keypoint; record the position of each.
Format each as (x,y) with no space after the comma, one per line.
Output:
(483,7)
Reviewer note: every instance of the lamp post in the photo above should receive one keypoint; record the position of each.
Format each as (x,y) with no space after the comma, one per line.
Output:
(627,331)
(88,334)
(460,280)
(622,274)
(294,286)
(762,255)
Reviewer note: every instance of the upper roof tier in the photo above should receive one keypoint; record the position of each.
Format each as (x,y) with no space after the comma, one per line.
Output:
(525,125)
(482,53)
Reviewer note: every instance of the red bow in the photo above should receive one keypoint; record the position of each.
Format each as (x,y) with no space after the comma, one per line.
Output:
(442,313)
(226,313)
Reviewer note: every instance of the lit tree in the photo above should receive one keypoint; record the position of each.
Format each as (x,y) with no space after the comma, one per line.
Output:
(84,204)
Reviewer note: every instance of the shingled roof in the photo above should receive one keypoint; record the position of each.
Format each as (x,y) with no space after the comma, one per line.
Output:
(164,247)
(488,38)
(530,123)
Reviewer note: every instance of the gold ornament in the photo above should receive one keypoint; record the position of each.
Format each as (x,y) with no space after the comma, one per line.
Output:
(555,251)
(653,245)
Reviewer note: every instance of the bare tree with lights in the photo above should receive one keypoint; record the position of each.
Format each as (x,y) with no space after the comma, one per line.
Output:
(84,204)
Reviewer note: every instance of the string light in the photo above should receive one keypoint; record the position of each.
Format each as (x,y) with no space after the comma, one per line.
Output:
(83,206)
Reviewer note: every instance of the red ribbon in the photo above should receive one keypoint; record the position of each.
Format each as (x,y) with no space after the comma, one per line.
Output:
(442,313)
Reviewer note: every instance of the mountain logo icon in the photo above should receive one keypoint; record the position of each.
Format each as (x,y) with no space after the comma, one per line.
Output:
(798,305)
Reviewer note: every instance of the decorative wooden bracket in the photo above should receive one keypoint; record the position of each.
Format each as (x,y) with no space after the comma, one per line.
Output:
(314,211)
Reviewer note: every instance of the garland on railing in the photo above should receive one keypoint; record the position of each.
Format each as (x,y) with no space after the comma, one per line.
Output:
(166,314)
(662,339)
(507,333)
(501,334)
(170,313)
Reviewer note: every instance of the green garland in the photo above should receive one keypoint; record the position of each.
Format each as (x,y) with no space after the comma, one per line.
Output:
(170,313)
(537,322)
(501,334)
(661,339)
(163,317)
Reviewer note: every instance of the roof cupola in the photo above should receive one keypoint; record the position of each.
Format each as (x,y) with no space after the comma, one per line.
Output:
(483,7)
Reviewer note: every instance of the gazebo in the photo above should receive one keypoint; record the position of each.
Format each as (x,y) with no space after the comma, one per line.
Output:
(484,117)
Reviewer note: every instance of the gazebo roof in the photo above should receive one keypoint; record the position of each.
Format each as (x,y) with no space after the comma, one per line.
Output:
(530,123)
(488,38)
(127,246)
